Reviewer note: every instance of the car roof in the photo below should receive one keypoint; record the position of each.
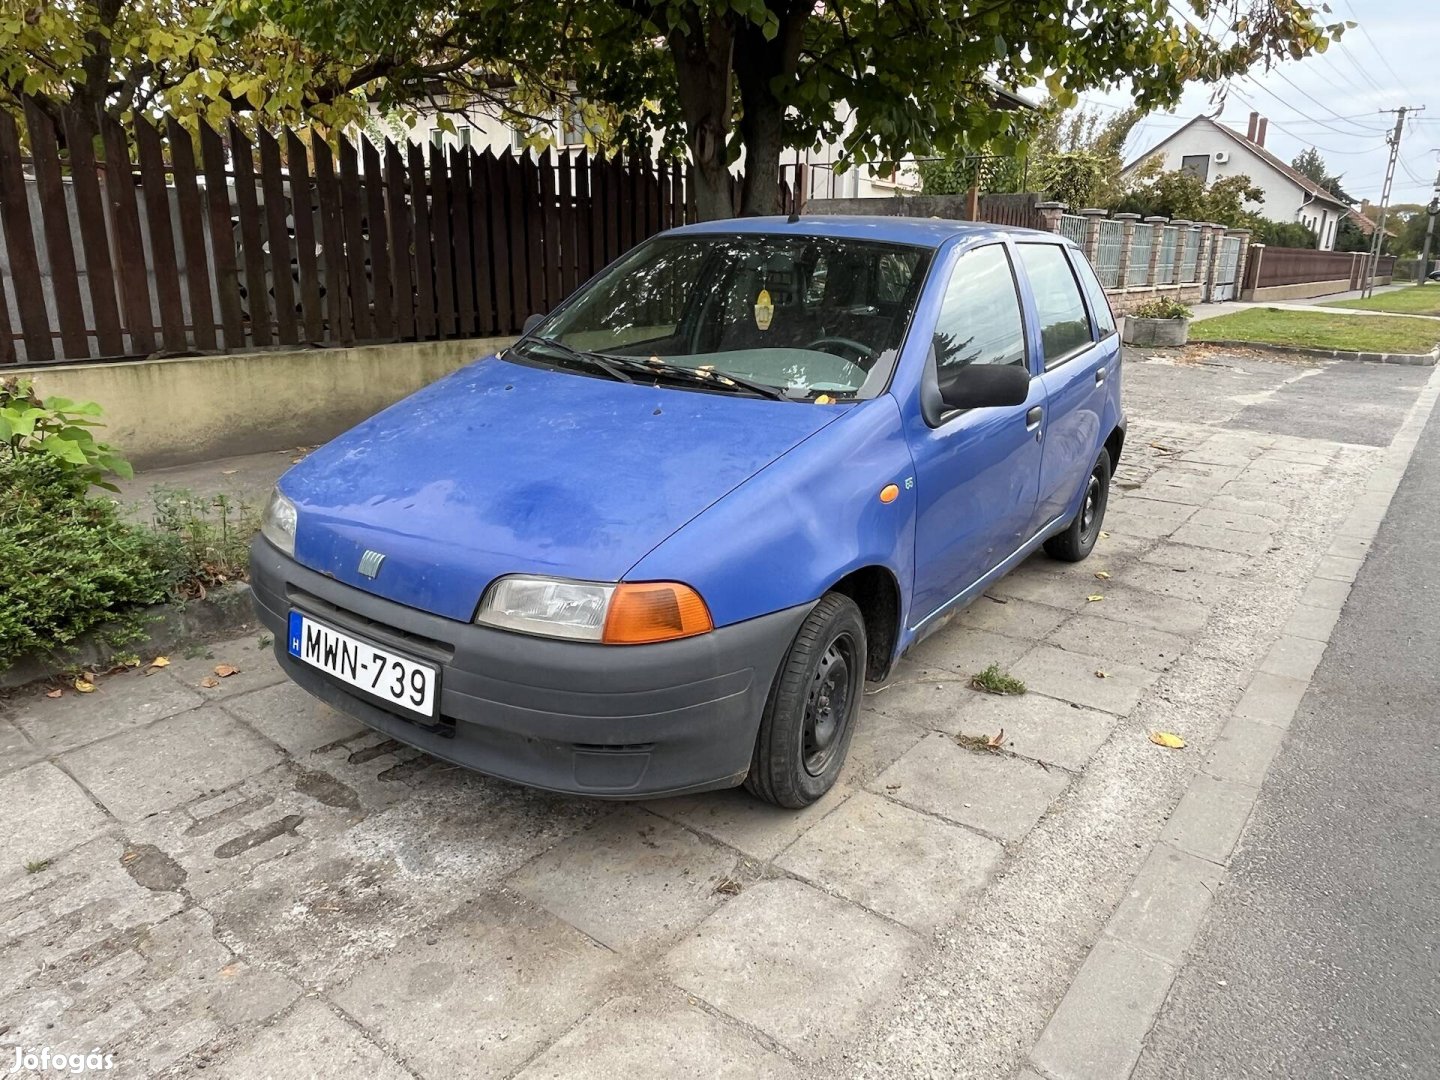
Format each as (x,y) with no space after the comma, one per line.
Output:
(922,232)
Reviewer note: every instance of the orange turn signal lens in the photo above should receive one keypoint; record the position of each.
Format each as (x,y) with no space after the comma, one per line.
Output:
(655,611)
(889,493)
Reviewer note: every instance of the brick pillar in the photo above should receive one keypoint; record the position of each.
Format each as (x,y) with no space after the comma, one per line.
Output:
(1126,237)
(1050,214)
(1157,236)
(1183,239)
(1092,233)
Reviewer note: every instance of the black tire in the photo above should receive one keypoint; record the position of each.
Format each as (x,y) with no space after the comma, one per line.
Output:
(804,733)
(1080,535)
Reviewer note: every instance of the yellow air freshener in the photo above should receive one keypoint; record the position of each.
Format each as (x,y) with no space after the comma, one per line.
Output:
(764,310)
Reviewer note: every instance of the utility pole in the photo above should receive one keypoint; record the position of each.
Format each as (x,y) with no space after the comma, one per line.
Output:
(1378,240)
(1431,212)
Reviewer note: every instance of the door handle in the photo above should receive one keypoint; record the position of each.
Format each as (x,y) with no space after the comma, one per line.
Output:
(1100,374)
(1032,418)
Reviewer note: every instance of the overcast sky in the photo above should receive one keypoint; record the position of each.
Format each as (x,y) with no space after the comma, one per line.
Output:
(1333,101)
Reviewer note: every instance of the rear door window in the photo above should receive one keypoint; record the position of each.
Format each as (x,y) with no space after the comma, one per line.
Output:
(1064,324)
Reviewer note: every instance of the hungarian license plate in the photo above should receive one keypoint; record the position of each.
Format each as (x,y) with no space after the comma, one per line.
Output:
(395,680)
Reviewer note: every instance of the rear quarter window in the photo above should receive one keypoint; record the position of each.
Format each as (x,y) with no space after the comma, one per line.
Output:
(1095,293)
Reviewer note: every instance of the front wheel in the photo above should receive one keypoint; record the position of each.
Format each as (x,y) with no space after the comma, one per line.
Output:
(810,716)
(1080,535)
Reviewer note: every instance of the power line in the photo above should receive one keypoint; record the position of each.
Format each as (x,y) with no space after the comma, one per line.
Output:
(1286,79)
(1321,123)
(1303,138)
(1375,49)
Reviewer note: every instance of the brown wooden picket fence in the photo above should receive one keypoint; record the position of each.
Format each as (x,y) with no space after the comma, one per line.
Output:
(124,244)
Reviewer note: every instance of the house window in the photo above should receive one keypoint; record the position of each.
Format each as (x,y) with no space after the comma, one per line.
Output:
(572,127)
(1329,233)
(466,135)
(437,138)
(518,135)
(1196,165)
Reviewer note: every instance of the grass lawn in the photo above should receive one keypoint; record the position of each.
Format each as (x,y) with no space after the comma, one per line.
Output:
(1317,330)
(1416,300)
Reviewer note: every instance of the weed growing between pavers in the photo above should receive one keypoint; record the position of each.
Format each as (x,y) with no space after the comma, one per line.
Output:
(994,681)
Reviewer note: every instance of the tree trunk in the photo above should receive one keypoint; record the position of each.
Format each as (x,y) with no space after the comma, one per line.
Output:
(762,67)
(703,55)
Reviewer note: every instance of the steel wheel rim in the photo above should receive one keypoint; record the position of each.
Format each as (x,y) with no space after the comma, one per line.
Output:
(1091,509)
(828,704)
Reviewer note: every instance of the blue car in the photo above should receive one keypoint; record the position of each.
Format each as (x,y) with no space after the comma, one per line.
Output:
(659,544)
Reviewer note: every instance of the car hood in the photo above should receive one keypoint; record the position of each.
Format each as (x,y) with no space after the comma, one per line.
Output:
(504,468)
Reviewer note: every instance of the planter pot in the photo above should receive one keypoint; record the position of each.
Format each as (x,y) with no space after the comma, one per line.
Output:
(1159,332)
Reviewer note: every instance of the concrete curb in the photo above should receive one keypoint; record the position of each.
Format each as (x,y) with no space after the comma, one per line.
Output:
(224,613)
(1416,359)
(1098,1030)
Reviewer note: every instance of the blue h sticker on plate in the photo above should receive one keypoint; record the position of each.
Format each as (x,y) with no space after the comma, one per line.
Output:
(296,621)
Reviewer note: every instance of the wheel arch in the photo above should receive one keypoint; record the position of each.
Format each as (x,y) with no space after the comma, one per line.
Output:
(876,592)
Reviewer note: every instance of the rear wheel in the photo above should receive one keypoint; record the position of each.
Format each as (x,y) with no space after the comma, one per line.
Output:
(810,716)
(1080,535)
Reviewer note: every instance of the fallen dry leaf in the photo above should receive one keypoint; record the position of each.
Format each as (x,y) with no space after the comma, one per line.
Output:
(1166,738)
(1095,598)
(55,693)
(228,472)
(1102,674)
(226,670)
(1104,535)
(159,661)
(996,740)
(209,682)
(1103,575)
(84,686)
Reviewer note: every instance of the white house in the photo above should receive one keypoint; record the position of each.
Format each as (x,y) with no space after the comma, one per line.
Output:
(1211,150)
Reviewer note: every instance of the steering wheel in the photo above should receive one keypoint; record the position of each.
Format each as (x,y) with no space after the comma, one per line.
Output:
(862,351)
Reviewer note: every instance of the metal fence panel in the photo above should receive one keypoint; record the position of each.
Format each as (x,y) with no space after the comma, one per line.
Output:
(1226,265)
(1190,270)
(1107,253)
(1165,271)
(1141,242)
(1076,227)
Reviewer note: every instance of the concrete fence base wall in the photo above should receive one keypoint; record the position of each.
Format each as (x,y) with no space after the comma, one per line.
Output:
(1305,289)
(177,411)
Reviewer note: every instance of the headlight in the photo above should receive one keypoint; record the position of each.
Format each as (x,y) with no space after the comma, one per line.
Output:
(278,524)
(626,614)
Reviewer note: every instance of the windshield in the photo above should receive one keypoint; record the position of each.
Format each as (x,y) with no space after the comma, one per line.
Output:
(801,315)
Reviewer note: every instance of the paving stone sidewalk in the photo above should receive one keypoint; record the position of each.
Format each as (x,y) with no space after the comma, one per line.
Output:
(238,880)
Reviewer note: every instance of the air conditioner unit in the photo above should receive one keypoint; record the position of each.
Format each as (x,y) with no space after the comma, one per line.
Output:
(1222,156)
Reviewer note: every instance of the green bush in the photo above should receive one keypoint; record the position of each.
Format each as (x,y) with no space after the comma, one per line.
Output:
(1162,307)
(68,563)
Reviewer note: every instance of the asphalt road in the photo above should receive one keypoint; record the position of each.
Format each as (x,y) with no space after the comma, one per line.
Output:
(1322,955)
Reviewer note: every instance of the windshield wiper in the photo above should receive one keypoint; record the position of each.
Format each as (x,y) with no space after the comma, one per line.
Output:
(592,360)
(711,377)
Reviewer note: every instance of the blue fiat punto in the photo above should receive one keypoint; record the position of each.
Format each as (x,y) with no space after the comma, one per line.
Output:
(658,544)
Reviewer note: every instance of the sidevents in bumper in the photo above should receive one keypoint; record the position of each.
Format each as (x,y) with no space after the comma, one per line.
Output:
(622,721)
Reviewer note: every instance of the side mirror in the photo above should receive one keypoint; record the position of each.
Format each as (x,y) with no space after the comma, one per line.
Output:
(532,322)
(983,386)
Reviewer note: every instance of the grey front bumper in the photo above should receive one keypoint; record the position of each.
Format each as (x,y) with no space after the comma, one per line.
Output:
(614,721)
